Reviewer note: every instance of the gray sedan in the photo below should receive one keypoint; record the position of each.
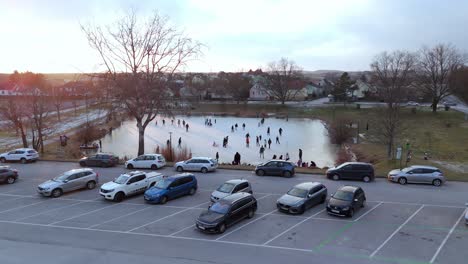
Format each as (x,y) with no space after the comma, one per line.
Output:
(69,181)
(417,174)
(302,197)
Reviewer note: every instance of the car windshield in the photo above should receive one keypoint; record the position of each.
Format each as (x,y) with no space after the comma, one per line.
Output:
(122,179)
(226,188)
(406,169)
(342,195)
(298,192)
(220,208)
(163,184)
(62,177)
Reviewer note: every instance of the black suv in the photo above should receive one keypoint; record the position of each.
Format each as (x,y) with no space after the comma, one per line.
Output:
(100,160)
(276,167)
(8,175)
(226,212)
(352,171)
(346,200)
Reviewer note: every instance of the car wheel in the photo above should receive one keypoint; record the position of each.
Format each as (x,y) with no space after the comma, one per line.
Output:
(192,191)
(57,193)
(222,228)
(2,160)
(251,213)
(437,182)
(10,180)
(91,185)
(301,210)
(23,160)
(402,181)
(118,197)
(204,170)
(82,163)
(287,174)
(130,166)
(154,167)
(363,203)
(336,177)
(163,200)
(180,169)
(351,212)
(366,179)
(260,172)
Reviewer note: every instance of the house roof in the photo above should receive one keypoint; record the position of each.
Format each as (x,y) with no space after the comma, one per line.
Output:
(7,86)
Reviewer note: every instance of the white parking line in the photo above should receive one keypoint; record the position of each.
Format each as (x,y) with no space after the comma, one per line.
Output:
(160,219)
(396,231)
(177,232)
(289,229)
(357,219)
(122,216)
(447,237)
(240,227)
(90,212)
(24,206)
(48,211)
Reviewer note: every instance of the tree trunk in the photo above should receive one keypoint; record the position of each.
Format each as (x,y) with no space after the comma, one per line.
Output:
(434,105)
(141,138)
(23,137)
(390,148)
(58,112)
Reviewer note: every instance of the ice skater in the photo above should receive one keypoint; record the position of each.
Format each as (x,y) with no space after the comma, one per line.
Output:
(164,122)
(257,142)
(269,143)
(247,141)
(280,130)
(262,152)
(217,157)
(243,126)
(277,140)
(235,126)
(268,131)
(186,127)
(180,142)
(232,128)
(300,154)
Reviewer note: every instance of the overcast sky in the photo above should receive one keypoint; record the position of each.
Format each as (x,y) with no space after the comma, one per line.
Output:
(45,36)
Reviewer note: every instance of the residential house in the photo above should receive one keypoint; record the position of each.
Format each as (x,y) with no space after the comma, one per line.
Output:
(360,89)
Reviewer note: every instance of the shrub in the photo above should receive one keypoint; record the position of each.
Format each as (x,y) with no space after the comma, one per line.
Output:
(339,131)
(175,154)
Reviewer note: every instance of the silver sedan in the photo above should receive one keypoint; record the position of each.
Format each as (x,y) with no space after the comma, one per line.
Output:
(417,174)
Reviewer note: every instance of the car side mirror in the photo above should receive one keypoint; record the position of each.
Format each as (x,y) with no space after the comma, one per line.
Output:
(356,200)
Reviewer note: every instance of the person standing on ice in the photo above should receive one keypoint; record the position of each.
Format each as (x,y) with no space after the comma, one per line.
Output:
(277,140)
(268,131)
(287,156)
(180,142)
(243,126)
(300,154)
(269,142)
(217,157)
(257,141)
(186,127)
(232,128)
(178,122)
(280,130)
(247,141)
(262,152)
(235,126)
(164,122)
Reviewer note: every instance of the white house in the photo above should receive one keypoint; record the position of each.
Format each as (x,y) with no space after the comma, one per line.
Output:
(360,90)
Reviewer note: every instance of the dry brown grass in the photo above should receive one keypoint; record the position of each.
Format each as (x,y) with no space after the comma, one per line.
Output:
(175,154)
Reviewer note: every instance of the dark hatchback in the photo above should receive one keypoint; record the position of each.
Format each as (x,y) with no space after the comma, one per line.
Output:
(226,212)
(352,171)
(346,200)
(100,160)
(8,175)
(276,168)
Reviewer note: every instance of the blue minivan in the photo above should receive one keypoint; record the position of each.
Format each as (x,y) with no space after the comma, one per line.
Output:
(172,187)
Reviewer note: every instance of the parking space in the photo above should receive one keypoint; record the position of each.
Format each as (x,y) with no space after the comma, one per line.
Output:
(381,232)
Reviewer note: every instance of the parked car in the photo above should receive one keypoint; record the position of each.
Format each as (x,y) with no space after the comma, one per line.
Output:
(226,212)
(146,161)
(100,160)
(202,164)
(276,168)
(447,103)
(69,181)
(417,174)
(23,155)
(352,171)
(171,188)
(302,197)
(346,200)
(230,187)
(130,183)
(8,175)
(412,103)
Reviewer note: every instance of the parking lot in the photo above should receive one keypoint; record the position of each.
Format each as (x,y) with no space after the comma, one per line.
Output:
(400,224)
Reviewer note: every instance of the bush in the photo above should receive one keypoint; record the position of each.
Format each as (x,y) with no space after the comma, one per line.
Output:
(178,154)
(339,131)
(89,134)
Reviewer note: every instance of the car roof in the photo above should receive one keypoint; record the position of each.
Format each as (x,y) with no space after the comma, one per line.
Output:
(133,173)
(200,158)
(4,167)
(237,181)
(356,163)
(307,185)
(25,149)
(280,160)
(78,170)
(181,175)
(423,167)
(348,188)
(235,197)
(151,154)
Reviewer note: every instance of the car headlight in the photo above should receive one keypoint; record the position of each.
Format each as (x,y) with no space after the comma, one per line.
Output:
(45,188)
(346,208)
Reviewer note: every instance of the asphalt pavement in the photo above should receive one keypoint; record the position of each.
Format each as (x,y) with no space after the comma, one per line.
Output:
(400,224)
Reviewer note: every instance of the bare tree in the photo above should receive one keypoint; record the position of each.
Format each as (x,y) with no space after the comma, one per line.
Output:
(459,81)
(15,113)
(435,67)
(392,76)
(58,97)
(140,59)
(238,86)
(283,80)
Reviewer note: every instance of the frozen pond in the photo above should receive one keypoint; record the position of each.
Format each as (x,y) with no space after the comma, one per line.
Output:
(308,134)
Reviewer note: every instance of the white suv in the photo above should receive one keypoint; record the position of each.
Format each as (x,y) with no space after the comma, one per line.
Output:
(23,154)
(146,161)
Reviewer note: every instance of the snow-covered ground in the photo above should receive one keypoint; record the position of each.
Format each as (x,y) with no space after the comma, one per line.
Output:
(307,134)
